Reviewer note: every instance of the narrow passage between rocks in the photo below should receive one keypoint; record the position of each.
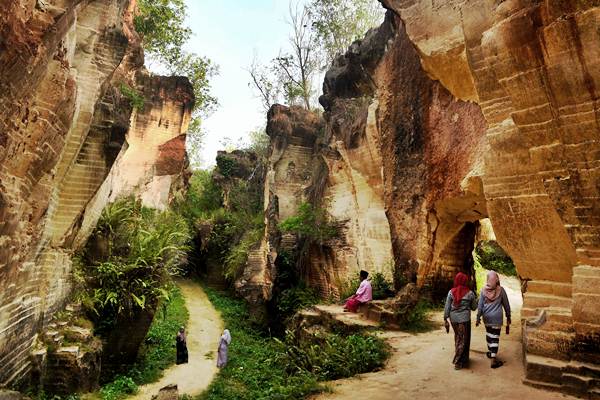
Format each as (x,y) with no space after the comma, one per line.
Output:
(420,366)
(203,331)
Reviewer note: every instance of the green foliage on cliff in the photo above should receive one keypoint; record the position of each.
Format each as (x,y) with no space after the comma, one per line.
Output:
(127,261)
(136,100)
(202,199)
(233,228)
(226,165)
(311,223)
(261,367)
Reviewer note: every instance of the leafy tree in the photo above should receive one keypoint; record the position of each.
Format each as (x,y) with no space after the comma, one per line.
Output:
(299,66)
(320,31)
(268,88)
(338,23)
(161,23)
(162,26)
(291,74)
(259,142)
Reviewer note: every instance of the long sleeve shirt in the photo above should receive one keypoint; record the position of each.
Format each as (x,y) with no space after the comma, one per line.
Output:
(461,313)
(492,311)
(364,293)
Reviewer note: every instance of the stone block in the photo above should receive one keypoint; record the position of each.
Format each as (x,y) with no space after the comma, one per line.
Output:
(169,392)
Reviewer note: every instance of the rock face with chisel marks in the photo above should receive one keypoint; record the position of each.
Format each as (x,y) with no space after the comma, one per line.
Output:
(65,67)
(533,67)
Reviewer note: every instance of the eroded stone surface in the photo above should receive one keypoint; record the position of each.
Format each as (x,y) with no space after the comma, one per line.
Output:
(533,67)
(63,121)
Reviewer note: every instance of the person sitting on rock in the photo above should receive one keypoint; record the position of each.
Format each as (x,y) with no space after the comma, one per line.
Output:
(364,294)
(492,300)
(181,345)
(459,303)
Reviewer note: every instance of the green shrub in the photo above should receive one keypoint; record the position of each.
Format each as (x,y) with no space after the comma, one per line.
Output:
(489,255)
(330,356)
(382,287)
(311,223)
(417,319)
(120,388)
(202,198)
(143,248)
(296,298)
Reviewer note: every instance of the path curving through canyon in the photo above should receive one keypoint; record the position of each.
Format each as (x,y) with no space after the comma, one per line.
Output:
(203,331)
(421,367)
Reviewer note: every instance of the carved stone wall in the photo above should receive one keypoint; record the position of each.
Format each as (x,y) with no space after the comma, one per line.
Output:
(534,69)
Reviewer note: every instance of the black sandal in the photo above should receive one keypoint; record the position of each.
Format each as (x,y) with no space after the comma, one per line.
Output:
(497,364)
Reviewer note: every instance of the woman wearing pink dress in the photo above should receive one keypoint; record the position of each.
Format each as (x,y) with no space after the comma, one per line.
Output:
(363,294)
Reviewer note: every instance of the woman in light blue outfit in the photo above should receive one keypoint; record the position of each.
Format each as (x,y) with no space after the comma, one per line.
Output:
(224,343)
(492,300)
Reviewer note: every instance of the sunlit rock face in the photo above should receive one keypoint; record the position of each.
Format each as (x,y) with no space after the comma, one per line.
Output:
(418,149)
(63,122)
(293,132)
(534,69)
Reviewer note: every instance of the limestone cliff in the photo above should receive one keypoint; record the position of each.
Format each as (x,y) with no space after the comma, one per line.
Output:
(448,114)
(533,68)
(63,123)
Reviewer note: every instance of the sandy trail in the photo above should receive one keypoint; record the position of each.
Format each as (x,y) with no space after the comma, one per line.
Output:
(203,331)
(421,366)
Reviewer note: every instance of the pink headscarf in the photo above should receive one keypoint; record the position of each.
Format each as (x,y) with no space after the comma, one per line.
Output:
(492,288)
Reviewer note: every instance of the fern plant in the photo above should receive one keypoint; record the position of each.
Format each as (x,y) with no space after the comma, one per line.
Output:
(143,248)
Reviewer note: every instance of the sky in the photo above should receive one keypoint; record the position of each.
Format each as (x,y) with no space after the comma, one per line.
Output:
(230,33)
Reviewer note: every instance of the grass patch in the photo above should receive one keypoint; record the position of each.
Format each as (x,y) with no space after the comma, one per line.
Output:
(120,388)
(262,367)
(157,352)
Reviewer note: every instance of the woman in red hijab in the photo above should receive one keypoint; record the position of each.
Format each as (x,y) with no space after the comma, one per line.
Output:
(459,303)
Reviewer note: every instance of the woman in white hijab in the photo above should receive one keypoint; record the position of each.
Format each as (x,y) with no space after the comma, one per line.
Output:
(223,348)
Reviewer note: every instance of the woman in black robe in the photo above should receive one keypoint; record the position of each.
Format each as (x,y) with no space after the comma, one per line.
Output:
(181,343)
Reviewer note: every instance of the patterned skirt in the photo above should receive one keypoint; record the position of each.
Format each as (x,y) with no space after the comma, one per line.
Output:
(462,343)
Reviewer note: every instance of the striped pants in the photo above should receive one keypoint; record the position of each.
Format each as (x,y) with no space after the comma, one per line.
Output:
(492,337)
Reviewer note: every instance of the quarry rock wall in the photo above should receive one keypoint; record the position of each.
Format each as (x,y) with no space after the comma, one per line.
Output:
(64,121)
(533,67)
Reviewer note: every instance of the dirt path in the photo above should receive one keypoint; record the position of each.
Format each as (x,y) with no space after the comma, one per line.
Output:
(421,368)
(204,329)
